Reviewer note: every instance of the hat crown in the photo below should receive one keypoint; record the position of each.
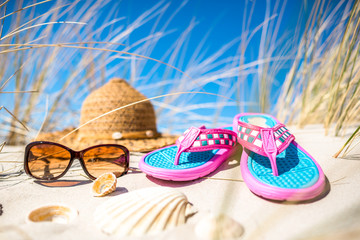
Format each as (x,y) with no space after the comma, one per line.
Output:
(115,94)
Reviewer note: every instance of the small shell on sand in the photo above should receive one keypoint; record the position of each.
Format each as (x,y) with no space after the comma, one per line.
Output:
(220,226)
(104,185)
(53,213)
(144,211)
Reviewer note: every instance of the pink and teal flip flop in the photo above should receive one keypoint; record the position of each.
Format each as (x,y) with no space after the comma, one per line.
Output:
(198,152)
(272,164)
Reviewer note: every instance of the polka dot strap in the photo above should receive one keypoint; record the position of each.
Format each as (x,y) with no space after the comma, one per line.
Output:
(202,139)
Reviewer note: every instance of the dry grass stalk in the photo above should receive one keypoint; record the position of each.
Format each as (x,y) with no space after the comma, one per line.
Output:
(14,117)
(2,145)
(349,143)
(307,95)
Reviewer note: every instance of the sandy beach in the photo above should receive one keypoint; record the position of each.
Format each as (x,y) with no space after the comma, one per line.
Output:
(138,74)
(334,215)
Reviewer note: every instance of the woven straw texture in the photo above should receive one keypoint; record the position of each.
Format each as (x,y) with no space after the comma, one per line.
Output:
(134,126)
(116,93)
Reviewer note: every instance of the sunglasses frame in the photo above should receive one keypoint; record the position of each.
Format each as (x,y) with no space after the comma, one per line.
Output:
(74,155)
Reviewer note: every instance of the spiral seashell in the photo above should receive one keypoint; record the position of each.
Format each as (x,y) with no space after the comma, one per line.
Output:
(104,184)
(144,211)
(221,226)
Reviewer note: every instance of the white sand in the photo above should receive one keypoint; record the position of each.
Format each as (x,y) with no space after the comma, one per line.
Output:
(336,213)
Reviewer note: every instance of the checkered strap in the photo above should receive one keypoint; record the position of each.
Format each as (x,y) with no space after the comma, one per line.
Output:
(202,139)
(265,141)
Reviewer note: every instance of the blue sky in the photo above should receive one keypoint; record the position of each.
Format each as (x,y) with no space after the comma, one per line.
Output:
(217,24)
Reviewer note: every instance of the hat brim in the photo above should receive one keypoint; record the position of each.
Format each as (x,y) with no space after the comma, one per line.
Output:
(134,145)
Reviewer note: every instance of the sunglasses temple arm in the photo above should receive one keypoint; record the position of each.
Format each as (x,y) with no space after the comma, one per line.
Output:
(134,169)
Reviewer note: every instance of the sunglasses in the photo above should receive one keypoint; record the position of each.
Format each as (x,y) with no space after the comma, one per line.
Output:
(50,161)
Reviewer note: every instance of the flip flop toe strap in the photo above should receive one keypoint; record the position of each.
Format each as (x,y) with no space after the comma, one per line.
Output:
(265,141)
(269,147)
(202,139)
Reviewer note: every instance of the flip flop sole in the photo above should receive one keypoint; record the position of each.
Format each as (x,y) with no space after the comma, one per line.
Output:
(192,165)
(300,179)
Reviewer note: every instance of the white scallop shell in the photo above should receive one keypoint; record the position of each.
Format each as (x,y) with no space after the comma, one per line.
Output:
(219,226)
(143,211)
(104,184)
(53,213)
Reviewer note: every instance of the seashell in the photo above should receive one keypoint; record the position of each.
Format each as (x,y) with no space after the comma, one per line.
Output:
(218,227)
(53,213)
(104,184)
(144,211)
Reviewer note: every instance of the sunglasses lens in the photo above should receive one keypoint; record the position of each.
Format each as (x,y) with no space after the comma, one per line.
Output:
(104,159)
(48,161)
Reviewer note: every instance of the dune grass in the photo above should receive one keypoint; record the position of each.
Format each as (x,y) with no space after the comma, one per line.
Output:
(22,53)
(49,53)
(322,85)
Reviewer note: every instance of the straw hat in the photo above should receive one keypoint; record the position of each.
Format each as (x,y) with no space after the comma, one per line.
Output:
(134,126)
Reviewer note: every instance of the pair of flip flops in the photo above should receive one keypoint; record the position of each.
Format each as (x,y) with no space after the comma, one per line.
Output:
(272,164)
